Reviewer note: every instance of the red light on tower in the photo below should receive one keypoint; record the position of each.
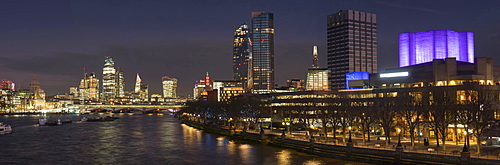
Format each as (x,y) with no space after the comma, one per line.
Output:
(207,80)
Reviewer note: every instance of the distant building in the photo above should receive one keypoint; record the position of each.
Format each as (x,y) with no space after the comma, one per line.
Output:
(169,87)
(120,83)
(202,86)
(141,90)
(242,55)
(351,45)
(295,84)
(315,63)
(37,95)
(73,92)
(227,89)
(422,47)
(89,87)
(8,85)
(156,98)
(138,82)
(317,78)
(109,78)
(263,51)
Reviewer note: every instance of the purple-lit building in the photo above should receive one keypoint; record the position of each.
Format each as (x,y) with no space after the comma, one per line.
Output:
(421,47)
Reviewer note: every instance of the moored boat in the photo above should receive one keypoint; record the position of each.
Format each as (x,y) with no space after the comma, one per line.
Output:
(5,129)
(99,119)
(53,123)
(42,121)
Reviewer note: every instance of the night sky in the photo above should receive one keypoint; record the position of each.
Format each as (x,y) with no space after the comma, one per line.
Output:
(185,39)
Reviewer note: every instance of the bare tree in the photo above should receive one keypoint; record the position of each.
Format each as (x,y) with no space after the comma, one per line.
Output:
(479,105)
(411,110)
(385,110)
(441,113)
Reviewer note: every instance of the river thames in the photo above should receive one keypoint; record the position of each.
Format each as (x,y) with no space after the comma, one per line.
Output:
(134,139)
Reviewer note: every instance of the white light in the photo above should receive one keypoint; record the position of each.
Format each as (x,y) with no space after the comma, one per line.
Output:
(394,74)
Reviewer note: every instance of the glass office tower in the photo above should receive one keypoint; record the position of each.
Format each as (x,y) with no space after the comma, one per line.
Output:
(263,51)
(242,55)
(108,79)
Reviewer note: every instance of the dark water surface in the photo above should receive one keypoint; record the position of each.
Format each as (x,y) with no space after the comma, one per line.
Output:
(134,139)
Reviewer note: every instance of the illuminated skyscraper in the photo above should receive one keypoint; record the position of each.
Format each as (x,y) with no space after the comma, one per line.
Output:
(317,78)
(351,45)
(138,83)
(315,63)
(422,47)
(242,55)
(169,87)
(141,90)
(120,83)
(263,51)
(109,79)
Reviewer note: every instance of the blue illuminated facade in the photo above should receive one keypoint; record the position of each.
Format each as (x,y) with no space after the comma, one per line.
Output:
(422,47)
(356,80)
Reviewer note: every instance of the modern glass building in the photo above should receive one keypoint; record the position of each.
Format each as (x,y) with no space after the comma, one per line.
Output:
(138,82)
(109,79)
(263,51)
(242,54)
(351,45)
(169,87)
(317,79)
(120,83)
(422,47)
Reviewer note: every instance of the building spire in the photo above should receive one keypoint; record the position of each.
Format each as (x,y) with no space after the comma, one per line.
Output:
(315,57)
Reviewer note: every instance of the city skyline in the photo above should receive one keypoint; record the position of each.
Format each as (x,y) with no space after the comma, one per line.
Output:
(56,40)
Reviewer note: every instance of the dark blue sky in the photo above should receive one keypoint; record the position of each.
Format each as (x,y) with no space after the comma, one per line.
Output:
(185,39)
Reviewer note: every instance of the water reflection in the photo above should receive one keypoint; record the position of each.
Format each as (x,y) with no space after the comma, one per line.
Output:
(134,139)
(284,157)
(245,150)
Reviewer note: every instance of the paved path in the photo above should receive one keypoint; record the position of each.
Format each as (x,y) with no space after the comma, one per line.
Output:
(452,149)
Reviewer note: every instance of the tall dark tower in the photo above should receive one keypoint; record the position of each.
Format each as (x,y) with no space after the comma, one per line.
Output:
(263,51)
(351,44)
(242,54)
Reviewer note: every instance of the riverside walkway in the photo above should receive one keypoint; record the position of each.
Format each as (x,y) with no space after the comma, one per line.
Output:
(452,149)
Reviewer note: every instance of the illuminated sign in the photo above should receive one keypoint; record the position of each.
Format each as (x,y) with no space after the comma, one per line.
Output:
(353,76)
(357,76)
(394,74)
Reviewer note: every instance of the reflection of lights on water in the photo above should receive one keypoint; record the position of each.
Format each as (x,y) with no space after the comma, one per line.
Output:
(312,162)
(245,150)
(284,157)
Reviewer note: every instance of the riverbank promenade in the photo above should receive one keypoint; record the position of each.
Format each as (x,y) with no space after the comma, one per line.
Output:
(452,148)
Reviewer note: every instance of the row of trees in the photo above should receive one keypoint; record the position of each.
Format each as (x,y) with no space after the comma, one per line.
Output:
(437,108)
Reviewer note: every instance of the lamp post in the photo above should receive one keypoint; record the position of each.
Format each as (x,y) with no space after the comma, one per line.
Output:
(399,137)
(350,140)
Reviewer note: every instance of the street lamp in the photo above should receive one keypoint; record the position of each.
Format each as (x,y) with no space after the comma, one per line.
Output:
(399,137)
(349,141)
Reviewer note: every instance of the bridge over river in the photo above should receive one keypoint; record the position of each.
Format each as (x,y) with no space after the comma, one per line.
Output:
(130,108)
